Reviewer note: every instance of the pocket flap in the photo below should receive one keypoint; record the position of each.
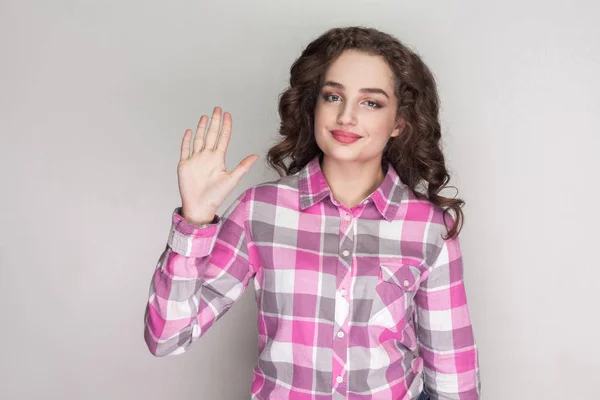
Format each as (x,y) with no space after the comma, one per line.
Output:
(404,275)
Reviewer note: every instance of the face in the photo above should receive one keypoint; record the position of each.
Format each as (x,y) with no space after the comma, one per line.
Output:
(355,115)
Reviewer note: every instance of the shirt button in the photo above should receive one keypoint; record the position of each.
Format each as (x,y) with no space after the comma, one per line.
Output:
(340,334)
(345,253)
(406,283)
(339,379)
(342,292)
(366,201)
(347,217)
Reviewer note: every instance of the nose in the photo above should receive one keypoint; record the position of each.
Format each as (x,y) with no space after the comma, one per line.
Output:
(346,115)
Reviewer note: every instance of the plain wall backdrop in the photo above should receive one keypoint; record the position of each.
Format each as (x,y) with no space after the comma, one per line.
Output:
(95,98)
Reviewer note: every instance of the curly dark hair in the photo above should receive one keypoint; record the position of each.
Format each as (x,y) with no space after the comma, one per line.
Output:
(415,154)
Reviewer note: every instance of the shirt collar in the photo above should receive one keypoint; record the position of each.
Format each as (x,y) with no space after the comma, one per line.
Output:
(313,188)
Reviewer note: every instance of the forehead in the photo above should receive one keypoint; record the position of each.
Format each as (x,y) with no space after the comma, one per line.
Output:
(355,70)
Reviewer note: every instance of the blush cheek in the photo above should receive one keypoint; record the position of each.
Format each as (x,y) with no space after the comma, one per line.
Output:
(320,120)
(384,129)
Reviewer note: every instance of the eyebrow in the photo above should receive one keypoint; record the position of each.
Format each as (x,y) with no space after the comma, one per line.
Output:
(363,90)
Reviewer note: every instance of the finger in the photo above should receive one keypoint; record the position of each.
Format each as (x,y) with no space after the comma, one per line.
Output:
(243,167)
(199,140)
(225,133)
(185,144)
(213,129)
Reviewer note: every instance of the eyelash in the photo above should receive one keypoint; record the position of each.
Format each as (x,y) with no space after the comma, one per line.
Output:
(326,97)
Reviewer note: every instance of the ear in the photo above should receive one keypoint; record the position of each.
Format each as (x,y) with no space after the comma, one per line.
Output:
(400,125)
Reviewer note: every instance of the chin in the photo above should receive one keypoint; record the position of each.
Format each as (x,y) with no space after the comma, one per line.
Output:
(341,155)
(337,152)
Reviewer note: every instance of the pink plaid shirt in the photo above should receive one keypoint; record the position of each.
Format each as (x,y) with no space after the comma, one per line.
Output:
(354,303)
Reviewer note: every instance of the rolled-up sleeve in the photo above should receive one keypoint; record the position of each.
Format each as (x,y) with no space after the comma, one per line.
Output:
(200,274)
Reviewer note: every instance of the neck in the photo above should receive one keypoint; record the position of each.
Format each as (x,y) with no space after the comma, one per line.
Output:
(352,181)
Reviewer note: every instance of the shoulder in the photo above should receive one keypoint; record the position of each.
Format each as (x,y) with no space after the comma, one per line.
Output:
(420,214)
(277,191)
(420,207)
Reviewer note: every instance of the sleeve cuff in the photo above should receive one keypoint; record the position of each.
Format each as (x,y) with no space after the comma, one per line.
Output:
(192,240)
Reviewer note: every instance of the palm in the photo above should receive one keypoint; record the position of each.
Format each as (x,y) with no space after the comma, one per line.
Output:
(204,182)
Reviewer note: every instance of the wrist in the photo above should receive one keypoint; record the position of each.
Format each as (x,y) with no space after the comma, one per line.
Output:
(198,216)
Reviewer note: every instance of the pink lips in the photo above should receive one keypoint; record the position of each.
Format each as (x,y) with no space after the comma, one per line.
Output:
(345,137)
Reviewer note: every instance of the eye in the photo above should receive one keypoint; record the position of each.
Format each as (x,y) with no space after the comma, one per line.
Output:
(331,97)
(372,104)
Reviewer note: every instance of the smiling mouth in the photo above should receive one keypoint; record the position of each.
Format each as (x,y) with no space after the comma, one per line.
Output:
(345,137)
(346,134)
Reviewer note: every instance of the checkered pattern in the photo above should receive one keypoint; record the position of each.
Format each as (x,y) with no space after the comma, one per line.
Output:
(359,303)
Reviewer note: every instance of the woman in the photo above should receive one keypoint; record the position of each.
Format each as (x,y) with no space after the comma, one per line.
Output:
(358,273)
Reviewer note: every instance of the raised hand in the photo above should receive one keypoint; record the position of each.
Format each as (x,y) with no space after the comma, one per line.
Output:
(204,183)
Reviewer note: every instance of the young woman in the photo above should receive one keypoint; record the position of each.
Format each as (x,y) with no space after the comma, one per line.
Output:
(353,252)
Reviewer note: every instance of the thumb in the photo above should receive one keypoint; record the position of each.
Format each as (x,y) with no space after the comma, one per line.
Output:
(243,167)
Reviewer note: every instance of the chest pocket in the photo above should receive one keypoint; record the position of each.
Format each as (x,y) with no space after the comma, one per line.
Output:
(395,290)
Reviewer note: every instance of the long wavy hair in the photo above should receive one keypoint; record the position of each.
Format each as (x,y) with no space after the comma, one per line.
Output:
(415,154)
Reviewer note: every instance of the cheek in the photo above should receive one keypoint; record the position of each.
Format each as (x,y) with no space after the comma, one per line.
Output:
(321,117)
(380,128)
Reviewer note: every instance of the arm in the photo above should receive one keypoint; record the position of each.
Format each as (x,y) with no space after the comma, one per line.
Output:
(444,331)
(202,272)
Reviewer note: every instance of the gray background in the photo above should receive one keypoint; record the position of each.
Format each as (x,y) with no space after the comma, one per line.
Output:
(94,100)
